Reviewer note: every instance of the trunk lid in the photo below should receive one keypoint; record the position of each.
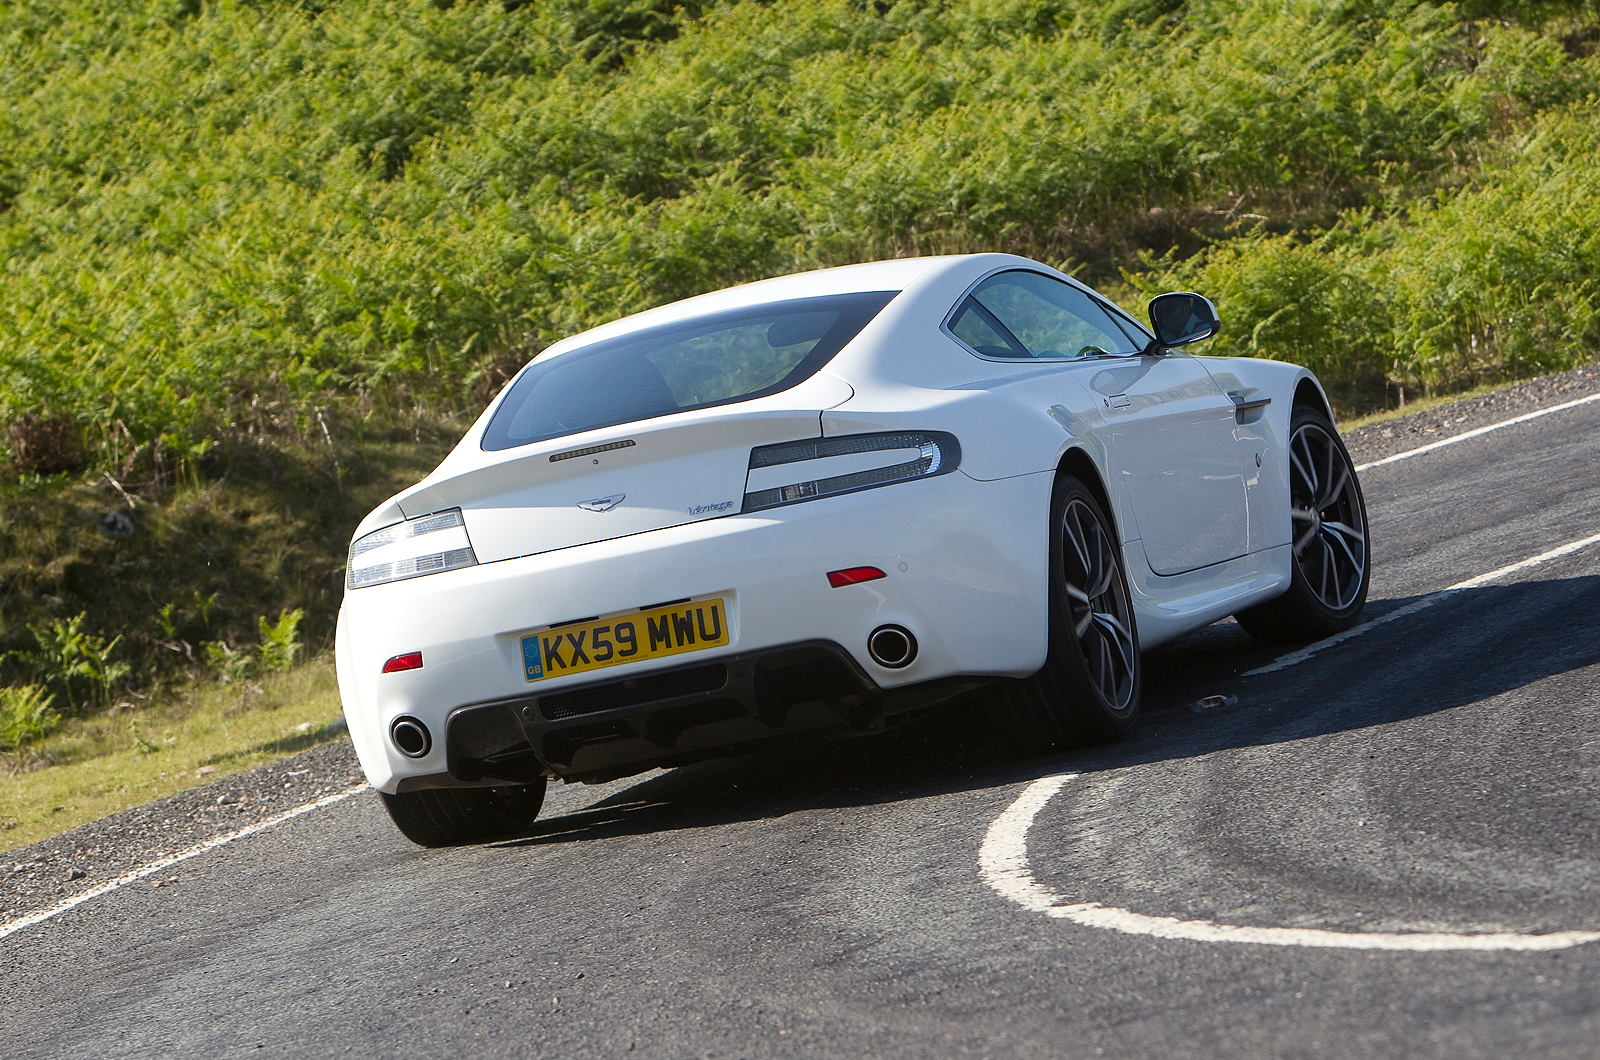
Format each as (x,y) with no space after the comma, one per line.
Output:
(627,479)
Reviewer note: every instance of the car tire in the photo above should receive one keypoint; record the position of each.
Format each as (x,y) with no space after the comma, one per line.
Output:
(445,817)
(1089,688)
(1331,566)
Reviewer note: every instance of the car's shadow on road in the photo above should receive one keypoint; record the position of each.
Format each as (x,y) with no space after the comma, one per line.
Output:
(1473,645)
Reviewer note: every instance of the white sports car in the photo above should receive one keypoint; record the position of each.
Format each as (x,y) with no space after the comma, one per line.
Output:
(827,501)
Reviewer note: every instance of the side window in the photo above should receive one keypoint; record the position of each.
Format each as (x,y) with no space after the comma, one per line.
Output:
(1138,333)
(977,327)
(1045,317)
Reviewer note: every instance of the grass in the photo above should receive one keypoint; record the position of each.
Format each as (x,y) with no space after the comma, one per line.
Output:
(263,531)
(230,221)
(1421,404)
(260,530)
(96,766)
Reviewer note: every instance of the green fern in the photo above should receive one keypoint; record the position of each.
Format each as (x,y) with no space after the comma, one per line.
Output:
(280,641)
(25,716)
(405,200)
(61,656)
(231,665)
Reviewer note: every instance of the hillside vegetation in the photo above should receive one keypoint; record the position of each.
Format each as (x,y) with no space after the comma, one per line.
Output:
(262,259)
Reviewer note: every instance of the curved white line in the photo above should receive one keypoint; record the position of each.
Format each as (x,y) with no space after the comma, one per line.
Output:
(11,927)
(1003,862)
(1463,436)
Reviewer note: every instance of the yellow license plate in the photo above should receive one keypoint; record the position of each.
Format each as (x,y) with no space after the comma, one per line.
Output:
(625,637)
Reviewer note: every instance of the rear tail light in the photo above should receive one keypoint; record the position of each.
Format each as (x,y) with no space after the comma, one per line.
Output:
(428,544)
(840,578)
(826,467)
(411,660)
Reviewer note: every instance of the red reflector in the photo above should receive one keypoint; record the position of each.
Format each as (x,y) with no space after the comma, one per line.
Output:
(840,578)
(411,660)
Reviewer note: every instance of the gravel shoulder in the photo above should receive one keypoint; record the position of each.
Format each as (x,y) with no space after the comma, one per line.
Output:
(50,871)
(53,870)
(1388,437)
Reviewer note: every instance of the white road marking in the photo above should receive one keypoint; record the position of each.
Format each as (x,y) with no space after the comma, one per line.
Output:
(1285,661)
(1453,439)
(1003,863)
(1003,857)
(11,927)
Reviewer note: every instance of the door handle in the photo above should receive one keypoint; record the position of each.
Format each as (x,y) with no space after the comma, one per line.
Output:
(1245,401)
(1118,401)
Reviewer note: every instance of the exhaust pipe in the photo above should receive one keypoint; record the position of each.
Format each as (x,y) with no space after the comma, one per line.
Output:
(892,646)
(411,737)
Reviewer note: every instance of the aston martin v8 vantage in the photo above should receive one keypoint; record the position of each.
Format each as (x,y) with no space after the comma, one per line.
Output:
(829,501)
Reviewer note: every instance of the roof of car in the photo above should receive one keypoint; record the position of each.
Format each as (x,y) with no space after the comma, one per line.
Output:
(893,275)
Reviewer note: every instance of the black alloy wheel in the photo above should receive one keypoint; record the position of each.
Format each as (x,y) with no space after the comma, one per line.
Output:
(1089,688)
(1332,555)
(1098,605)
(447,817)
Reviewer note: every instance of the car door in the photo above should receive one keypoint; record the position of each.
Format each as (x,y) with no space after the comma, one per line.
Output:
(1170,430)
(1164,420)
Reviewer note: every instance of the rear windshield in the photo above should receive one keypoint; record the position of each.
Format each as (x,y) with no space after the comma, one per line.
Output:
(692,364)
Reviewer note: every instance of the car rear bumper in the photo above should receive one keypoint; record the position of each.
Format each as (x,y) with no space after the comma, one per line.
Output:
(966,566)
(617,727)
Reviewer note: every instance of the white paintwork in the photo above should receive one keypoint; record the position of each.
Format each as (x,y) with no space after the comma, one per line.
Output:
(1169,607)
(974,561)
(1003,864)
(1259,446)
(1174,409)
(1180,474)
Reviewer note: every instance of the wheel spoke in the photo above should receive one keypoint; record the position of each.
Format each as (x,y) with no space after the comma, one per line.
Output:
(1340,528)
(1097,604)
(1329,540)
(1098,654)
(1308,464)
(1334,494)
(1107,569)
(1307,477)
(1355,564)
(1328,452)
(1338,538)
(1075,537)
(1305,539)
(1119,655)
(1113,624)
(1118,634)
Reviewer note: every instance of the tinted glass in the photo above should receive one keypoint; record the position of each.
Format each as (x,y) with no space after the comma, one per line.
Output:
(711,360)
(1137,333)
(977,327)
(1045,317)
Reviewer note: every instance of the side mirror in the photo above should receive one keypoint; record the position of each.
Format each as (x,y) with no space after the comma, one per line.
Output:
(1179,319)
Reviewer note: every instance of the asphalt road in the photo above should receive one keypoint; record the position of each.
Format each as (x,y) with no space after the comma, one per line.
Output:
(1434,775)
